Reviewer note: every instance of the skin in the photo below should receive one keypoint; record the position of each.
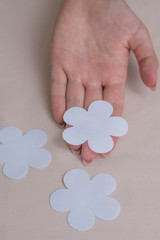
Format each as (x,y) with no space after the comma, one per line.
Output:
(91,44)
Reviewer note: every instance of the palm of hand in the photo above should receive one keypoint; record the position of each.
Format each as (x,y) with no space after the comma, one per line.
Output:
(89,56)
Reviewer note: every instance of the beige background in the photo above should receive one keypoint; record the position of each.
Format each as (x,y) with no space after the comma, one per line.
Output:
(25,213)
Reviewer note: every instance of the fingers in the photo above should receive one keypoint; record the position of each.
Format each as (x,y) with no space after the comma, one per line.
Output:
(75,97)
(141,45)
(115,95)
(75,94)
(92,93)
(58,85)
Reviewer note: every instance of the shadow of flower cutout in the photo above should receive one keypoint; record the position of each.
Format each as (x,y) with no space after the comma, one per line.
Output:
(95,126)
(18,151)
(85,199)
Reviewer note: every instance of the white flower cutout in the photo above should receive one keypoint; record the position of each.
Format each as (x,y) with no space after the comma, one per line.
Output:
(85,199)
(95,126)
(18,151)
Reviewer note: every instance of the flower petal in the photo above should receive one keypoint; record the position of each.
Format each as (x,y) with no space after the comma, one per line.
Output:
(74,115)
(39,158)
(81,220)
(117,126)
(101,107)
(15,170)
(10,134)
(101,143)
(103,185)
(74,136)
(76,178)
(107,209)
(60,200)
(35,137)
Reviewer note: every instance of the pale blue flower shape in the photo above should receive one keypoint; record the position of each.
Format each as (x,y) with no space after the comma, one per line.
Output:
(18,151)
(96,126)
(85,199)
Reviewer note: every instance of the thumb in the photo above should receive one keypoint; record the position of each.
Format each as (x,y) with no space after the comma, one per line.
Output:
(141,44)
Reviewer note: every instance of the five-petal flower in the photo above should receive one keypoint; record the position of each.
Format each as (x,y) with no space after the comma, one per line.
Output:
(17,152)
(95,126)
(85,199)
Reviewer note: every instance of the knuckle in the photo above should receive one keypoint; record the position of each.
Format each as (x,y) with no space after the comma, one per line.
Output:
(146,31)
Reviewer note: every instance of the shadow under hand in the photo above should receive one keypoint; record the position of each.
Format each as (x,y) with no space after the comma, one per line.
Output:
(134,82)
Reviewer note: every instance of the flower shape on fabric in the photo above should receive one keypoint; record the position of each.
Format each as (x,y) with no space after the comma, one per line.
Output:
(85,199)
(95,126)
(18,151)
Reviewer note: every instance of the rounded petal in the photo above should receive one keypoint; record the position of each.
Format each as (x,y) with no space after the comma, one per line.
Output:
(76,178)
(35,137)
(39,158)
(117,126)
(10,134)
(74,136)
(107,209)
(74,116)
(15,170)
(60,200)
(101,107)
(81,220)
(100,143)
(103,185)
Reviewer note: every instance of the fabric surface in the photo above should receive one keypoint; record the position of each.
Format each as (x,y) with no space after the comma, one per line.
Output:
(25,212)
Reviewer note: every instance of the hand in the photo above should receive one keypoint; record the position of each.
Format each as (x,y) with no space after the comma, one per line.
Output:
(89,57)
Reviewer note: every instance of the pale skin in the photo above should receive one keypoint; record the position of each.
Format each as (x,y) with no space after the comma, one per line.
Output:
(89,57)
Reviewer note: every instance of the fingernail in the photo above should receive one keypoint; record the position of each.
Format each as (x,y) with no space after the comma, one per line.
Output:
(76,152)
(105,154)
(153,89)
(86,163)
(61,125)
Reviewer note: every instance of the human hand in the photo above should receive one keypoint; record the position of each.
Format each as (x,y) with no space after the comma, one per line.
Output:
(89,57)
